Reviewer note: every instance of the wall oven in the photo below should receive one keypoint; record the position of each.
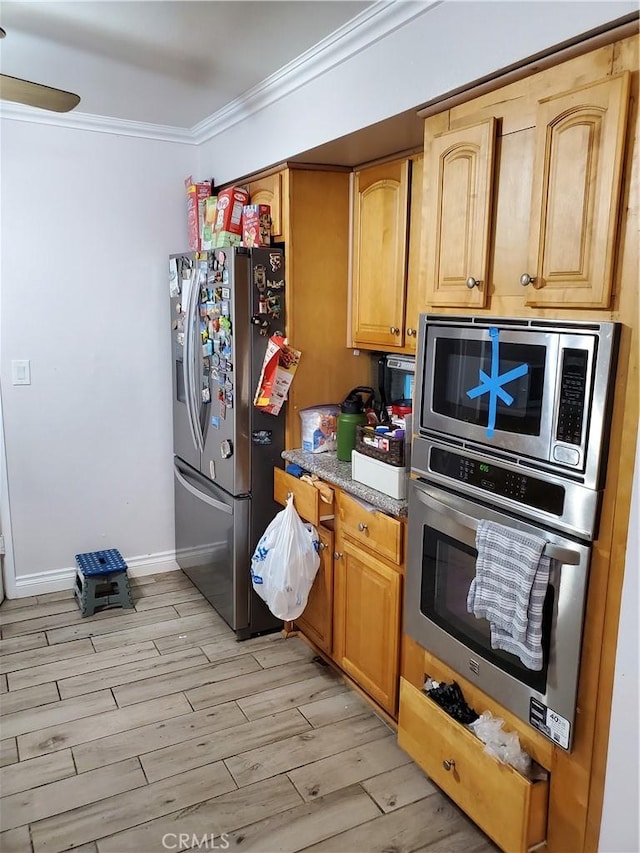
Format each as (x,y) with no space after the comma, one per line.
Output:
(532,460)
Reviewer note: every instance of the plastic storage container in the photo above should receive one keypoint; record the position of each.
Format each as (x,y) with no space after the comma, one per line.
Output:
(319,427)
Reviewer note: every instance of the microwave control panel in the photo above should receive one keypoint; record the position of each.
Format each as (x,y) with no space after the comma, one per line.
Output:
(489,477)
(573,392)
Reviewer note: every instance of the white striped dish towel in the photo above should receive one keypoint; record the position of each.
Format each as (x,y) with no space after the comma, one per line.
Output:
(512,575)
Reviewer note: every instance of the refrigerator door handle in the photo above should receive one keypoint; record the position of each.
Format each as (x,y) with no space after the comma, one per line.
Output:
(188,358)
(194,358)
(200,495)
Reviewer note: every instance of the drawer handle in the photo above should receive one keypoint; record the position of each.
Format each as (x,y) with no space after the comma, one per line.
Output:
(448,765)
(338,555)
(362,527)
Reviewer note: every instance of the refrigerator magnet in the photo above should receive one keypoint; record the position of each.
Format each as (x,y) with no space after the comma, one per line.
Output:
(225,310)
(225,276)
(260,276)
(206,395)
(275,285)
(215,422)
(228,399)
(223,409)
(275,260)
(226,293)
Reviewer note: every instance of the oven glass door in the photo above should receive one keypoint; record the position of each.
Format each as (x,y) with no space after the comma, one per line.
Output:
(448,567)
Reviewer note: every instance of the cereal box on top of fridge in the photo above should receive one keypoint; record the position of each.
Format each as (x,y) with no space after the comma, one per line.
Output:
(229,210)
(197,193)
(256,225)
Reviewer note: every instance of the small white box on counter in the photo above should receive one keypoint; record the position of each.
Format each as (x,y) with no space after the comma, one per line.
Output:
(389,479)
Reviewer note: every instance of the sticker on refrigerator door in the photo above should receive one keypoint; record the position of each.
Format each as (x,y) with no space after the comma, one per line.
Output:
(275,259)
(262,436)
(550,723)
(215,422)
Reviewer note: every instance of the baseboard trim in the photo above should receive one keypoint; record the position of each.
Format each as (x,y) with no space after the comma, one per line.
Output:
(56,580)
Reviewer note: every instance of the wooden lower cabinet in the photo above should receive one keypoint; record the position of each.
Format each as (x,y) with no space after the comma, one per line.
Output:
(367,607)
(511,809)
(317,620)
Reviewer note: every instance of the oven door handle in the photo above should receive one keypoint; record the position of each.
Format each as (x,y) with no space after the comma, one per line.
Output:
(563,555)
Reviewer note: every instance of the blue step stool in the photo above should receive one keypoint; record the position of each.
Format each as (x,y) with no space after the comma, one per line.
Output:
(102,581)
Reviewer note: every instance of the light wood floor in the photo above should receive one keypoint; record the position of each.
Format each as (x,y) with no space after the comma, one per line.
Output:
(130,727)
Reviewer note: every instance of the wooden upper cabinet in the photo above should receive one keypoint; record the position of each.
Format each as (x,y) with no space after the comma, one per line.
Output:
(416,297)
(269,191)
(459,180)
(381,197)
(576,193)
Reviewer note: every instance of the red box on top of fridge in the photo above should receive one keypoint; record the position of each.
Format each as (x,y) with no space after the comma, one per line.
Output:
(256,225)
(197,193)
(229,213)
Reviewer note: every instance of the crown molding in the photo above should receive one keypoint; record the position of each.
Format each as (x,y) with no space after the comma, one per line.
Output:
(376,22)
(97,124)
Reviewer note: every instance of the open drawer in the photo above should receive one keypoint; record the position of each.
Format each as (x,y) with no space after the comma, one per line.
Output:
(511,809)
(306,498)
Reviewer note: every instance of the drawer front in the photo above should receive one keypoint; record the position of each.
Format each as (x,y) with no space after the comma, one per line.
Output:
(380,533)
(306,498)
(509,808)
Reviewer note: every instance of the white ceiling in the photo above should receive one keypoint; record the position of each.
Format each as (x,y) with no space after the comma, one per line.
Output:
(167,63)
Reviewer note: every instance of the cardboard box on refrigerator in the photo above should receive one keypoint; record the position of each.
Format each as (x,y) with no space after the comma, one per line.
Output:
(197,193)
(228,225)
(256,225)
(278,368)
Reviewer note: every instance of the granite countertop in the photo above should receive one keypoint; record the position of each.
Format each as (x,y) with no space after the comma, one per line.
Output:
(329,468)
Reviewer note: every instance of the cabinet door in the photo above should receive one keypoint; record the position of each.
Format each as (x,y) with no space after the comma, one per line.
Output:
(416,297)
(317,620)
(381,196)
(576,193)
(367,622)
(269,191)
(459,168)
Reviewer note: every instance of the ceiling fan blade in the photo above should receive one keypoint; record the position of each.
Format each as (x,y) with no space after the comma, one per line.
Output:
(36,95)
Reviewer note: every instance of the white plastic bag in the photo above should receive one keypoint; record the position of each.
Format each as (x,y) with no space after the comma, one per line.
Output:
(285,563)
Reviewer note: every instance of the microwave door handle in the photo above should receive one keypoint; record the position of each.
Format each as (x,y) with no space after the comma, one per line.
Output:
(200,495)
(563,555)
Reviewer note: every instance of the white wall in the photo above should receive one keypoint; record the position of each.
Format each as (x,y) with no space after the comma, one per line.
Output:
(619,831)
(88,220)
(446,46)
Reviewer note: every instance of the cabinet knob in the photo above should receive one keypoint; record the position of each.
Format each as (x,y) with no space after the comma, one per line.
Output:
(448,765)
(472,282)
(394,330)
(338,555)
(362,527)
(526,279)
(321,546)
(411,333)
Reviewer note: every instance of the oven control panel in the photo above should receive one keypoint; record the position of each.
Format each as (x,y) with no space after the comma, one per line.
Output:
(490,477)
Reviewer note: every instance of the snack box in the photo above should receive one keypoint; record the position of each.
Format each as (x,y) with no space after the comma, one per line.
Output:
(256,225)
(229,211)
(197,193)
(208,233)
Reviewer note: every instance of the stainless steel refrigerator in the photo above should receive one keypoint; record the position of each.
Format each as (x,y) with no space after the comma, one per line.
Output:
(224,305)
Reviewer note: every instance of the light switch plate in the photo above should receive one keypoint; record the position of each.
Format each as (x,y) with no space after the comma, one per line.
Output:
(21,371)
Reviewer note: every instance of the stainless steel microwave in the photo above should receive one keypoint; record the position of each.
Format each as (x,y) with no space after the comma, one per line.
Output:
(534,392)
